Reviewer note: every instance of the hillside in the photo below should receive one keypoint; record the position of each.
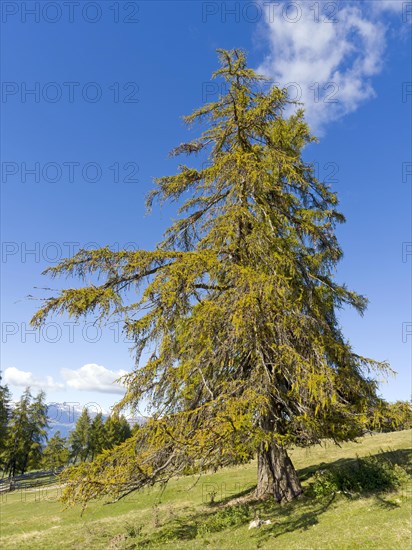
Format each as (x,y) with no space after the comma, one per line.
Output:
(183,516)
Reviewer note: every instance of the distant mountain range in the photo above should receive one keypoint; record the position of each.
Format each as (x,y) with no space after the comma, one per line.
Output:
(62,417)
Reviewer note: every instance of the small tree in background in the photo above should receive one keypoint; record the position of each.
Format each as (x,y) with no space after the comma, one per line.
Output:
(4,418)
(17,442)
(56,453)
(38,427)
(237,305)
(80,438)
(117,430)
(27,432)
(98,436)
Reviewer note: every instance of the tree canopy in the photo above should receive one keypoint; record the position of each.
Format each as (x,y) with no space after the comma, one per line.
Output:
(236,306)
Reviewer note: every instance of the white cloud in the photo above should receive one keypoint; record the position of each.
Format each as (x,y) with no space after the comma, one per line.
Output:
(332,61)
(92,377)
(389,5)
(16,377)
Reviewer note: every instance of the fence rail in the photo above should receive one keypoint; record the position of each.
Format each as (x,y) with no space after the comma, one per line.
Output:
(29,481)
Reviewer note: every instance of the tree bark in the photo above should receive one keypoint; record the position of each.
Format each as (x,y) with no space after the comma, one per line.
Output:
(277,476)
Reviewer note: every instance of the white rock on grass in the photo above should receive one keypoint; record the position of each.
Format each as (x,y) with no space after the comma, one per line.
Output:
(258,523)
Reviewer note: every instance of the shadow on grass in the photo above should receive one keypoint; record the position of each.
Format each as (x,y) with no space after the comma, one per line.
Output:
(298,515)
(386,504)
(402,457)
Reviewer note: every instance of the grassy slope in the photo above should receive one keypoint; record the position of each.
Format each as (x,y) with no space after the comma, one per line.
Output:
(184,518)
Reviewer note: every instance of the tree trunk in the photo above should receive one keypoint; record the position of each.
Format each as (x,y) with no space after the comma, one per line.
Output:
(277,476)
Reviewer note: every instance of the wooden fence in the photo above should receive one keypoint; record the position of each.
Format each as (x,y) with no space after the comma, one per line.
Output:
(30,480)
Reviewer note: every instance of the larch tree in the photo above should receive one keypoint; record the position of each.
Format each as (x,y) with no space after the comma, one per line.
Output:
(236,309)
(26,434)
(56,453)
(117,430)
(4,417)
(79,440)
(38,431)
(17,444)
(98,435)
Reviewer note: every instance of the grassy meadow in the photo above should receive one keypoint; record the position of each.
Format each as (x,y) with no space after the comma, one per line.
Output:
(214,511)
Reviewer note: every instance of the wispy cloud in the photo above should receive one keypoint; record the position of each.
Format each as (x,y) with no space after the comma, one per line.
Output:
(326,59)
(20,378)
(93,377)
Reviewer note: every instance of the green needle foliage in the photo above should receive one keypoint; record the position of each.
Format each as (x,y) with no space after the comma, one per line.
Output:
(4,417)
(97,435)
(117,430)
(237,306)
(26,434)
(80,439)
(56,453)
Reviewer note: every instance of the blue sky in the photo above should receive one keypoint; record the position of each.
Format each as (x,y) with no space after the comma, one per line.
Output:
(110,82)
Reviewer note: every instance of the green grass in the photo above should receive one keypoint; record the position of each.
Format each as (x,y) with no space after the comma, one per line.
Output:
(182,516)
